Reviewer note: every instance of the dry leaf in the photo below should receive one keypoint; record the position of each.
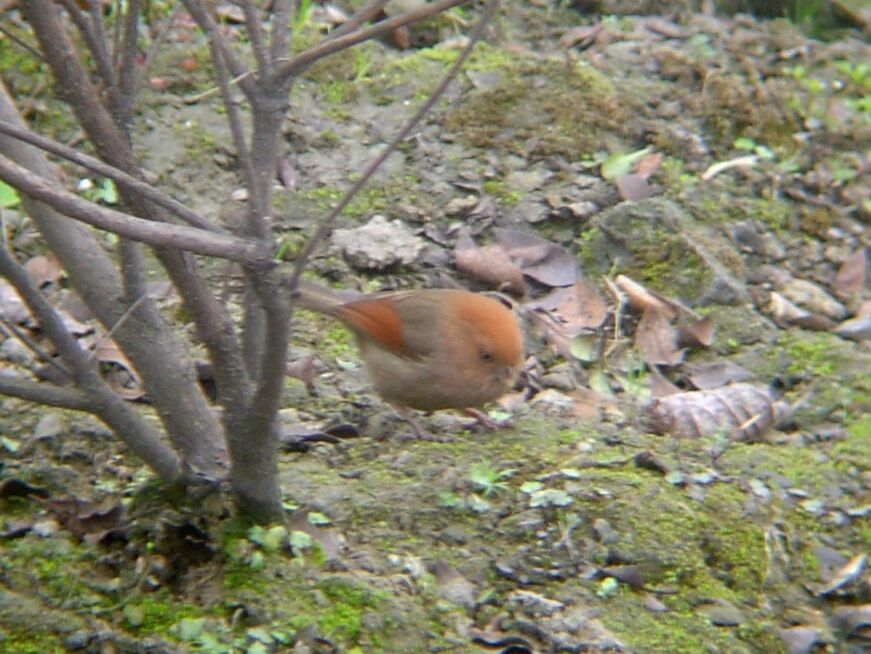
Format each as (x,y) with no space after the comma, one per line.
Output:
(641,299)
(742,411)
(633,187)
(714,374)
(489,264)
(700,333)
(583,36)
(578,307)
(553,333)
(851,276)
(660,386)
(545,261)
(657,340)
(649,165)
(43,270)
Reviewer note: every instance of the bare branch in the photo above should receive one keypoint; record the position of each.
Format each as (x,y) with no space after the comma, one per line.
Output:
(125,93)
(31,345)
(118,176)
(294,66)
(281,14)
(363,15)
(256,254)
(99,399)
(9,35)
(243,154)
(255,33)
(204,19)
(64,398)
(327,224)
(96,45)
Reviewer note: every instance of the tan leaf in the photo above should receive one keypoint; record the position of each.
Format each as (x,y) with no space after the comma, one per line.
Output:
(700,333)
(489,264)
(545,261)
(641,298)
(656,339)
(578,307)
(633,187)
(43,270)
(851,276)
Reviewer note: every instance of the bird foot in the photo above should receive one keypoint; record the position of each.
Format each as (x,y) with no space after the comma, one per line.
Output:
(488,423)
(419,433)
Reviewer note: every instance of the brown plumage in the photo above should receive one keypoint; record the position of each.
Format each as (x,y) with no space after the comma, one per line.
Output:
(429,349)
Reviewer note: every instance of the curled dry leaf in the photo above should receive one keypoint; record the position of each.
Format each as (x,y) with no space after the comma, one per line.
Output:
(742,411)
(640,298)
(489,264)
(657,340)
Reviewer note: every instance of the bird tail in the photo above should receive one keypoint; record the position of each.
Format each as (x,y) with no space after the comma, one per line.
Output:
(323,299)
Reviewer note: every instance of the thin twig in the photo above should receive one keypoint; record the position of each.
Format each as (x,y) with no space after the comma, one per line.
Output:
(124,316)
(256,254)
(104,169)
(31,345)
(327,224)
(363,15)
(236,66)
(255,33)
(234,118)
(292,67)
(33,53)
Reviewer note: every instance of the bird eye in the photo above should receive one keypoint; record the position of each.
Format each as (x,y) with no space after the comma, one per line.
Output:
(485,356)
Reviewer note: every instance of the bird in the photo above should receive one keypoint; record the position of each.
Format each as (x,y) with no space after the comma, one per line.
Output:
(428,349)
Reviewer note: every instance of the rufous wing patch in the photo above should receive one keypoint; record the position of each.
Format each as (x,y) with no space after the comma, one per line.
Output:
(376,319)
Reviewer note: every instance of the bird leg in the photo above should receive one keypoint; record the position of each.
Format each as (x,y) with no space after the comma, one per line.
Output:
(486,421)
(420,434)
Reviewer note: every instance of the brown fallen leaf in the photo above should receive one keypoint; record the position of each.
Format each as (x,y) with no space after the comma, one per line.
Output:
(698,334)
(544,261)
(633,187)
(742,411)
(43,270)
(657,340)
(489,264)
(81,517)
(641,298)
(714,374)
(850,278)
(578,307)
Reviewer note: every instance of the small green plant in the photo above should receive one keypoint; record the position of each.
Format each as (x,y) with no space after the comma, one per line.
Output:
(300,17)
(488,479)
(8,196)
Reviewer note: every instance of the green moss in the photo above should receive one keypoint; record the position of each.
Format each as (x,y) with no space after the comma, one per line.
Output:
(808,354)
(159,612)
(499,190)
(536,107)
